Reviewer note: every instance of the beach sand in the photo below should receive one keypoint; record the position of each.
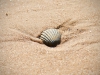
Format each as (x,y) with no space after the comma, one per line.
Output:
(22,21)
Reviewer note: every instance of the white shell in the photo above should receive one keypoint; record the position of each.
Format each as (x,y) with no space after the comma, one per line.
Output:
(51,37)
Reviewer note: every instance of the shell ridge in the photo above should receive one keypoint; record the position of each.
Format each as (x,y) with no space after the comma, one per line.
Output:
(51,37)
(45,37)
(52,34)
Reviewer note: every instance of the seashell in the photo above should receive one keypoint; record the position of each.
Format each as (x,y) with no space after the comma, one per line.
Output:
(51,37)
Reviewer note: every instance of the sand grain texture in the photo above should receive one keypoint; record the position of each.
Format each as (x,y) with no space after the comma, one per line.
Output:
(21,22)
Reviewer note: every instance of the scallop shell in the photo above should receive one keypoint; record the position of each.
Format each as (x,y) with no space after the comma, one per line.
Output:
(51,37)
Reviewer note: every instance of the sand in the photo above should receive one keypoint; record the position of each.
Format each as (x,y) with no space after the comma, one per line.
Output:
(22,21)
